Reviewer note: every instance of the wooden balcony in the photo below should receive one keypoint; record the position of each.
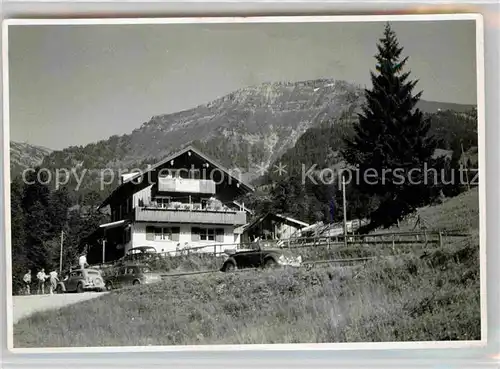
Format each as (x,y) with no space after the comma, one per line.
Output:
(222,217)
(186,185)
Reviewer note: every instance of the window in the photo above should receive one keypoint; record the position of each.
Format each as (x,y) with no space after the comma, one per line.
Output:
(207,234)
(162,233)
(163,202)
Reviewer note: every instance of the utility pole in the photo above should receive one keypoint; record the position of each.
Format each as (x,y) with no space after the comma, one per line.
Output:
(345,211)
(104,247)
(465,165)
(61,253)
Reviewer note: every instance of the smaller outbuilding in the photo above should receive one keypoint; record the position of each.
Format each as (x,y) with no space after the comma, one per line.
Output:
(270,227)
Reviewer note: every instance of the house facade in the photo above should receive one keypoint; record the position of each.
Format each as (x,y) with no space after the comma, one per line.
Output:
(186,200)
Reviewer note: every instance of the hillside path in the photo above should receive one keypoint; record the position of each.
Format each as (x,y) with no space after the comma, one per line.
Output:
(24,306)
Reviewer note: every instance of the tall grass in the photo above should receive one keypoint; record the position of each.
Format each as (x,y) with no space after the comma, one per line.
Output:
(425,297)
(428,295)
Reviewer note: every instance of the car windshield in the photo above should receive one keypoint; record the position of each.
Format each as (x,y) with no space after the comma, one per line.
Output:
(92,272)
(145,270)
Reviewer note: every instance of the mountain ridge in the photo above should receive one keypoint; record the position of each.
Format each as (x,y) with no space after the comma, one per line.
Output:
(250,126)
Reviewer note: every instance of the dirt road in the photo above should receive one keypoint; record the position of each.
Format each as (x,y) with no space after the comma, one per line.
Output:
(26,305)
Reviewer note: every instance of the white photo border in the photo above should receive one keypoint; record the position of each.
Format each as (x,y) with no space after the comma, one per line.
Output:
(267,19)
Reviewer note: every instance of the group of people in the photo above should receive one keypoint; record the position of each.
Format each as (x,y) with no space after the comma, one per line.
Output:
(41,279)
(180,250)
(52,277)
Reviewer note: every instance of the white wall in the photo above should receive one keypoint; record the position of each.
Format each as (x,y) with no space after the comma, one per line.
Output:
(139,237)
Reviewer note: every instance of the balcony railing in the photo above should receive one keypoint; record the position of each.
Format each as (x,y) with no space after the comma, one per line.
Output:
(190,214)
(186,185)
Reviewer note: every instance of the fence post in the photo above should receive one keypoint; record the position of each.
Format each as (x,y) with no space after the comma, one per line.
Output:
(393,243)
(215,250)
(440,239)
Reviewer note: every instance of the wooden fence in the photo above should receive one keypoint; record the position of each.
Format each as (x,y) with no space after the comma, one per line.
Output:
(393,238)
(330,242)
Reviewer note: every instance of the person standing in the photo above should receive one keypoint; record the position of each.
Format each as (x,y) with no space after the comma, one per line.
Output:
(53,281)
(82,261)
(41,276)
(27,282)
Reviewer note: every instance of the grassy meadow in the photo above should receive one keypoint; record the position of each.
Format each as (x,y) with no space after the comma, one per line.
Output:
(428,295)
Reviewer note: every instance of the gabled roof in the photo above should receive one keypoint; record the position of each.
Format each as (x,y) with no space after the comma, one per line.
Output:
(173,156)
(291,220)
(282,217)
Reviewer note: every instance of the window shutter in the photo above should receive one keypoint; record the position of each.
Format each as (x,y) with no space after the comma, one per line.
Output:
(175,233)
(219,235)
(150,233)
(195,234)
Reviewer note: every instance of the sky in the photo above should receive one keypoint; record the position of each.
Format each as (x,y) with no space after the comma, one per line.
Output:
(73,85)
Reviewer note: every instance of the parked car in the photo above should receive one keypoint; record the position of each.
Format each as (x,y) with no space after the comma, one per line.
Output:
(128,275)
(81,280)
(139,254)
(260,258)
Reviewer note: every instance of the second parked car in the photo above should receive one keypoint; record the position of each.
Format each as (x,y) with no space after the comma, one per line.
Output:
(131,275)
(260,258)
(81,280)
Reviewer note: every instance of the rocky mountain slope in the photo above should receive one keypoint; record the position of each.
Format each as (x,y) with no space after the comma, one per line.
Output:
(249,127)
(251,124)
(24,155)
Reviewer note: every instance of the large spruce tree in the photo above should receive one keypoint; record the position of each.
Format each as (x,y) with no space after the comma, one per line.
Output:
(391,138)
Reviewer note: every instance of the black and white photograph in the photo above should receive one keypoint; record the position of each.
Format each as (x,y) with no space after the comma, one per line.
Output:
(292,182)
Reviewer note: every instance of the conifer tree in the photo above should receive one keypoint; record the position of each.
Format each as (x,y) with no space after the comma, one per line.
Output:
(20,263)
(391,138)
(35,203)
